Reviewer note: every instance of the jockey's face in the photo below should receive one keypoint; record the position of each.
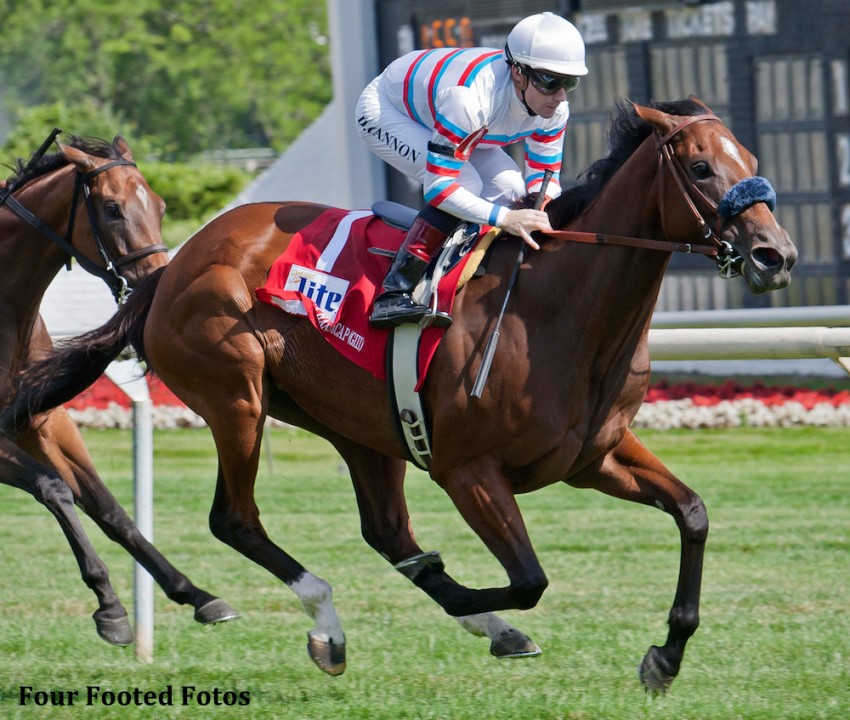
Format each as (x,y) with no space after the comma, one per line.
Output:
(544,104)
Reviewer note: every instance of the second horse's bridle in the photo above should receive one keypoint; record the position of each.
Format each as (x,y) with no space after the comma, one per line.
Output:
(110,273)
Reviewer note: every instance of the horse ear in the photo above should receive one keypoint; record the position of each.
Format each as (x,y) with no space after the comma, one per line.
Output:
(83,161)
(661,120)
(699,102)
(120,144)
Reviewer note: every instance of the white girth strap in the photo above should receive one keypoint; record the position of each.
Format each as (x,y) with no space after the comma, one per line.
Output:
(403,379)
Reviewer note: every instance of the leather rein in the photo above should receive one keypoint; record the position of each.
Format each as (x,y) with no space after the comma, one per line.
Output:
(722,251)
(111,274)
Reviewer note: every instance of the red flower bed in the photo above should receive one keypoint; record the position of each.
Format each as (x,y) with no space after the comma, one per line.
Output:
(707,395)
(104,392)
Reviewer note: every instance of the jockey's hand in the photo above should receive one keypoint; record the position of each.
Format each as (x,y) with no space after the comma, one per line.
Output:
(524,222)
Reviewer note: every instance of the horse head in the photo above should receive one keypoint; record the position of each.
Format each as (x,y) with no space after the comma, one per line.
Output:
(709,192)
(122,233)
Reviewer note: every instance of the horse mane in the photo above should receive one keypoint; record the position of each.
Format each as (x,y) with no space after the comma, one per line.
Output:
(626,132)
(53,161)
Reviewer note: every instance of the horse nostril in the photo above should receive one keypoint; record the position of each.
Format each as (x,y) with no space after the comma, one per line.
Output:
(769,258)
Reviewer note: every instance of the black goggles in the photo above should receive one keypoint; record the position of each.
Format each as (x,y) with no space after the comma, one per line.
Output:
(550,84)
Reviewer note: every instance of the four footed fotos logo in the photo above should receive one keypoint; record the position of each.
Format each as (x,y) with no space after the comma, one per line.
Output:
(326,291)
(168,696)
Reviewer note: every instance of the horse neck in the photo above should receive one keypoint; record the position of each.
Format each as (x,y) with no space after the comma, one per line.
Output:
(628,205)
(600,298)
(29,259)
(629,202)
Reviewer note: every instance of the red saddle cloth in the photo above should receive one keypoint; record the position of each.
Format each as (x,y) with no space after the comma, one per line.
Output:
(327,274)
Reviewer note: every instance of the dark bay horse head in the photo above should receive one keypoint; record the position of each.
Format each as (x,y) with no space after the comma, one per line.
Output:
(715,187)
(704,192)
(90,202)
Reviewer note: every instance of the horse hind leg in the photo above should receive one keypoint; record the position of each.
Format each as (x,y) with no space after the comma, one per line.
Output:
(506,642)
(21,471)
(210,356)
(58,443)
(632,472)
(238,525)
(326,640)
(234,519)
(108,514)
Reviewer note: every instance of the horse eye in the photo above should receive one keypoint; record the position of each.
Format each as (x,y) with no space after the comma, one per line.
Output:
(112,210)
(701,169)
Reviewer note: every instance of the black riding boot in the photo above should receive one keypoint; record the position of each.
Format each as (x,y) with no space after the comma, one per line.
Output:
(394,305)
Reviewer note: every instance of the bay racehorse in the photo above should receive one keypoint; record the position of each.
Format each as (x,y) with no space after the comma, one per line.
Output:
(90,202)
(567,379)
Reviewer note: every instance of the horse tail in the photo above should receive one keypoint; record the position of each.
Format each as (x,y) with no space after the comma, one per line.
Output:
(75,364)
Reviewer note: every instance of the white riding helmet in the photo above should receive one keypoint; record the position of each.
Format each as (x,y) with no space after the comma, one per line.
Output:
(547,42)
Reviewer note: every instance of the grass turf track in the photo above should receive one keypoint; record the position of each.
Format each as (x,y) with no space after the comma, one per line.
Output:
(774,641)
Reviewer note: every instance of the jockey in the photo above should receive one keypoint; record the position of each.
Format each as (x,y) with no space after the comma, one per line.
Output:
(442,117)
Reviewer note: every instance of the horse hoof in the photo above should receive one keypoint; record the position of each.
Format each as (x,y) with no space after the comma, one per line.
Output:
(328,655)
(513,644)
(215,611)
(655,679)
(116,631)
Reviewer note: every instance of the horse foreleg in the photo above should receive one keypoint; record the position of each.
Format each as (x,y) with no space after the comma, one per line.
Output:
(19,470)
(632,472)
(386,527)
(484,497)
(57,443)
(385,523)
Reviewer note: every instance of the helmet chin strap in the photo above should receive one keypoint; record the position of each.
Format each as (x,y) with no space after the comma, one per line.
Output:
(525,105)
(530,112)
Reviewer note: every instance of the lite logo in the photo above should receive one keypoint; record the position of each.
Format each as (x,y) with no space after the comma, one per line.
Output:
(326,291)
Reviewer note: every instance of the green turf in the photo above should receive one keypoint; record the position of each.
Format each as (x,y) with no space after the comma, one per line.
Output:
(774,641)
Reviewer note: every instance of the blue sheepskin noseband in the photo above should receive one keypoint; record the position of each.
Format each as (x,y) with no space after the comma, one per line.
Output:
(747,192)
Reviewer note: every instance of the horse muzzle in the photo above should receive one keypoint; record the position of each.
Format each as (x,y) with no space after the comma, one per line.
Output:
(767,265)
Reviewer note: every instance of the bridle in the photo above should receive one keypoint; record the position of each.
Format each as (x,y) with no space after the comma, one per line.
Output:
(738,198)
(110,273)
